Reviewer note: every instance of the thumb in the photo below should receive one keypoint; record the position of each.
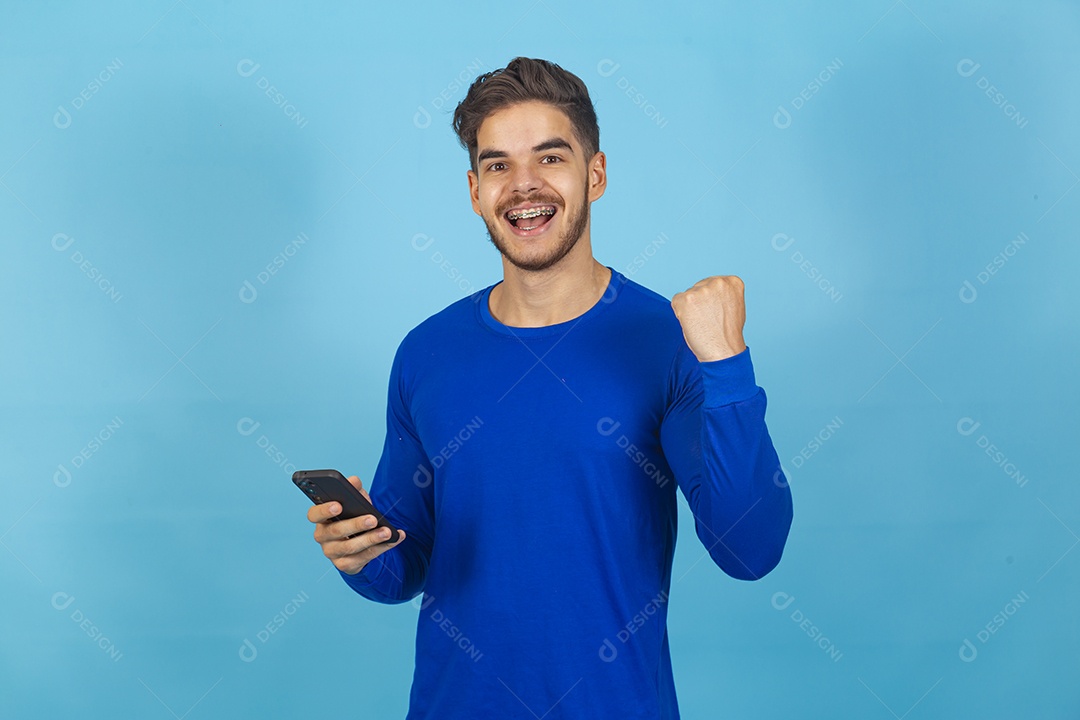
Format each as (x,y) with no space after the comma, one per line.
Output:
(356,483)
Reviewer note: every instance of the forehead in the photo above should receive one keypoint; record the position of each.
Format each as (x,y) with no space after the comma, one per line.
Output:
(516,128)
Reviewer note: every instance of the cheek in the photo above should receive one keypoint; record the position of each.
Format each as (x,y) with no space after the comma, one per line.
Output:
(489,198)
(480,201)
(572,188)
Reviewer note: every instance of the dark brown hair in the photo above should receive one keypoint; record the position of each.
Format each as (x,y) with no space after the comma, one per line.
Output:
(525,79)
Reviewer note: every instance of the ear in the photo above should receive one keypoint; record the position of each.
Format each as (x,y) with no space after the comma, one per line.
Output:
(474,192)
(597,175)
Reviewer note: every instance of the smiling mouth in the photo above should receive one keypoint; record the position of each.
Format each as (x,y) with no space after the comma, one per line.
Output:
(529,220)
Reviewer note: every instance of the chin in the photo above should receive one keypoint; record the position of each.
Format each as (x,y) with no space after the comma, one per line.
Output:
(532,255)
(543,247)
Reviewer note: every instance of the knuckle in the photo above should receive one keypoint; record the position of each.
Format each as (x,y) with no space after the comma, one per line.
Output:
(359,541)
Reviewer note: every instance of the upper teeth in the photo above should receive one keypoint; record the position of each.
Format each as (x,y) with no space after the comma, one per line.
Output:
(530,213)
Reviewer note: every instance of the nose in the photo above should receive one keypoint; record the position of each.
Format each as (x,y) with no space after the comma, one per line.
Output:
(524,178)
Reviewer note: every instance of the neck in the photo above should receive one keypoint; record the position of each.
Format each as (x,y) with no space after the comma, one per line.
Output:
(563,292)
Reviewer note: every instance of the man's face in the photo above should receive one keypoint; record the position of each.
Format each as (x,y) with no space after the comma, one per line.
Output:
(528,159)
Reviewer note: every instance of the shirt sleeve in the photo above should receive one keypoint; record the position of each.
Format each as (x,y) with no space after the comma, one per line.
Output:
(714,437)
(402,491)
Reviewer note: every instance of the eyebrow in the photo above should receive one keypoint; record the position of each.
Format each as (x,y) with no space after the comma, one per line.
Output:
(549,144)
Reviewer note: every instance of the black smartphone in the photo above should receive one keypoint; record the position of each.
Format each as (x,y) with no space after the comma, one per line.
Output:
(323,486)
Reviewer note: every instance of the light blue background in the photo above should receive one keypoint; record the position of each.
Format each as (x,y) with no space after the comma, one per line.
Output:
(178,180)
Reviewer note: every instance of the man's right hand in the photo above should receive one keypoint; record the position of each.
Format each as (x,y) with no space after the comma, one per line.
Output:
(350,555)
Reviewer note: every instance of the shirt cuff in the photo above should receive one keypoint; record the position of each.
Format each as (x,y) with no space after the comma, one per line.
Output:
(366,577)
(728,380)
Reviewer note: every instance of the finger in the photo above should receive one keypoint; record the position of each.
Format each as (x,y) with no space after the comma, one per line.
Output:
(342,529)
(356,483)
(384,546)
(373,551)
(323,512)
(360,550)
(349,526)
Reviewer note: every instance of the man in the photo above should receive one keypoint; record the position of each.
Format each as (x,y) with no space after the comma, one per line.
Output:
(536,433)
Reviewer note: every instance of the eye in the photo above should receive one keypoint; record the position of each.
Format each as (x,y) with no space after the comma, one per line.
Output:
(552,157)
(494,166)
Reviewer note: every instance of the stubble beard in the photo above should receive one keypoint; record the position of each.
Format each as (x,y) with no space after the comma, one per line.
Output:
(575,228)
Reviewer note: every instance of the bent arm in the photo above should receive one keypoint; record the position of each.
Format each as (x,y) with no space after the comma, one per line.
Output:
(718,446)
(402,491)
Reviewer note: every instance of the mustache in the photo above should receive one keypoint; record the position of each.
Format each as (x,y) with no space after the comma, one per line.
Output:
(537,200)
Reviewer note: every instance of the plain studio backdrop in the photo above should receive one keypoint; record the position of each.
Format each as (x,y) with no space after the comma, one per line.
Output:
(219,221)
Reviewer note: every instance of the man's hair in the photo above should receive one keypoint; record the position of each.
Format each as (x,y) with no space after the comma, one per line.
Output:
(524,79)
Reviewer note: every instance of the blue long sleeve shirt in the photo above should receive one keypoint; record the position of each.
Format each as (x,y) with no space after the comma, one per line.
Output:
(534,471)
